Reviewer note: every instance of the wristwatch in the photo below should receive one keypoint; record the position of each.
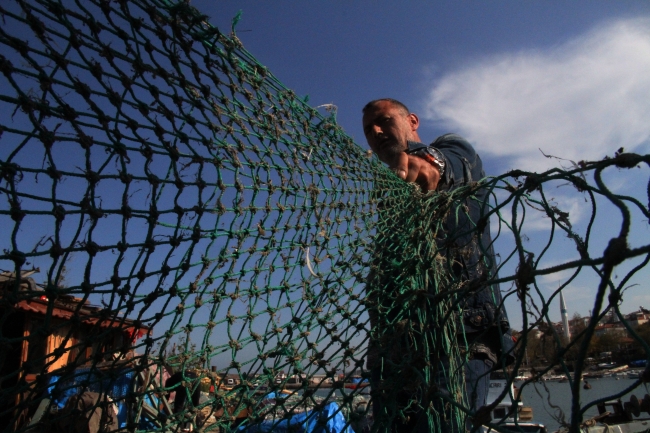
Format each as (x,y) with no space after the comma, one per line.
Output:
(431,154)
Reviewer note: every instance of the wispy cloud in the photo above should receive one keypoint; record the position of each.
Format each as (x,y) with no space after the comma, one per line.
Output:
(581,100)
(573,207)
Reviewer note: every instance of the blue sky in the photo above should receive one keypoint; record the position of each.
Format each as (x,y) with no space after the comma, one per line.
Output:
(567,78)
(510,76)
(570,79)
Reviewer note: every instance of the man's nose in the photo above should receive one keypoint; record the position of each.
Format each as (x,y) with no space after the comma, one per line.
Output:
(376,130)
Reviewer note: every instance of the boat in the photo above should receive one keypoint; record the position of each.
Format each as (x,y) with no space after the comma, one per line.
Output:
(508,415)
(553,377)
(356,382)
(619,369)
(616,416)
(356,385)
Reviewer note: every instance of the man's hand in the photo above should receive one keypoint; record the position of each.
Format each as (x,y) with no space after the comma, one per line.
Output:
(413,168)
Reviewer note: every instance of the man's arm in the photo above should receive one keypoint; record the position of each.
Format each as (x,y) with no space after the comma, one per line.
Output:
(463,165)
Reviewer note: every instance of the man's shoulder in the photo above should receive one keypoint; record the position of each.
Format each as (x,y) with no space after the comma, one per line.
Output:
(464,164)
(454,146)
(452,140)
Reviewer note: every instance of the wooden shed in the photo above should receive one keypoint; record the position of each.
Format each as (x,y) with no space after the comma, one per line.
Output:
(41,336)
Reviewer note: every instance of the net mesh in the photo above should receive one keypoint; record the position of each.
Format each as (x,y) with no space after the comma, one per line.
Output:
(176,222)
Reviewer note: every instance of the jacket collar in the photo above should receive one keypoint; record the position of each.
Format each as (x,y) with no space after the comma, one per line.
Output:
(412,146)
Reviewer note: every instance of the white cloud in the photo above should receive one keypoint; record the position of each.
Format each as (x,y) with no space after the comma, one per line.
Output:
(580,100)
(535,220)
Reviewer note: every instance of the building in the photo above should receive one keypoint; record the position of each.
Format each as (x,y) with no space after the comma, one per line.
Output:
(638,318)
(609,324)
(610,328)
(43,336)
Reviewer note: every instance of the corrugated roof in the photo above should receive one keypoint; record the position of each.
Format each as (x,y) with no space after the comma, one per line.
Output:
(67,307)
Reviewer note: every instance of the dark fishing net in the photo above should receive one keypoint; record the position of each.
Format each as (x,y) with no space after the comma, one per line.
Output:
(176,223)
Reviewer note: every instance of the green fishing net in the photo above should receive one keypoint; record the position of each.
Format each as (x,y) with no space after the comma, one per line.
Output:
(177,223)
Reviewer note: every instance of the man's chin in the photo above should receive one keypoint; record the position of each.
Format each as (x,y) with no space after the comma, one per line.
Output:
(391,154)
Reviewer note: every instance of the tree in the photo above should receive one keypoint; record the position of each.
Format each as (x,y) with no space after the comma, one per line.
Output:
(638,351)
(607,342)
(643,331)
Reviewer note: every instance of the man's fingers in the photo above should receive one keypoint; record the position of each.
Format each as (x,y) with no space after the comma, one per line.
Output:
(423,173)
(414,167)
(400,166)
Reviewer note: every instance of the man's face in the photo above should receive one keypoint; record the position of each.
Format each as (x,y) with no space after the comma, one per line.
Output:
(387,128)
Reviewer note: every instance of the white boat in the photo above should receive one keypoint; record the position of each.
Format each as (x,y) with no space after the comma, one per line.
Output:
(617,416)
(630,427)
(553,377)
(508,415)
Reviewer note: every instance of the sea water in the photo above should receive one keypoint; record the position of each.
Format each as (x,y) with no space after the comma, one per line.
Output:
(551,400)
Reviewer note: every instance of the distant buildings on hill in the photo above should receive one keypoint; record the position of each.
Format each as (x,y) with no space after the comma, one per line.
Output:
(609,324)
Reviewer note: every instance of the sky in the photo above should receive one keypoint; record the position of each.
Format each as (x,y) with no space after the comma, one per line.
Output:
(520,80)
(513,77)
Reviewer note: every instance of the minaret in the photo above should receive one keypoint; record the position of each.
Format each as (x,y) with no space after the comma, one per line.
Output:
(565,318)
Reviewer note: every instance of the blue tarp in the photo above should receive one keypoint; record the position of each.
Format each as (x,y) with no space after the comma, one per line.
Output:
(117,386)
(328,420)
(358,380)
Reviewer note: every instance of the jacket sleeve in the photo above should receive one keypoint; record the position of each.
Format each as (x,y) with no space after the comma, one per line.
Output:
(462,163)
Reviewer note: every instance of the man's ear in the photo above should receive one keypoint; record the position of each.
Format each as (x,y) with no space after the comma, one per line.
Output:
(414,121)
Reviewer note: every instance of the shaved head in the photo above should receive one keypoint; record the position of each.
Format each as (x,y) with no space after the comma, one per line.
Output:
(394,102)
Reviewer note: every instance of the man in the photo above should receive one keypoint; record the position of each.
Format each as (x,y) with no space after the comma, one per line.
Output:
(447,164)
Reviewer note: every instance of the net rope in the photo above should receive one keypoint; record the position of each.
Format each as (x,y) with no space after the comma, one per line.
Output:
(175,220)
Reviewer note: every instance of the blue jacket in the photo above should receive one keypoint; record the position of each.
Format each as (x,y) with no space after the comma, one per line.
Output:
(469,252)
